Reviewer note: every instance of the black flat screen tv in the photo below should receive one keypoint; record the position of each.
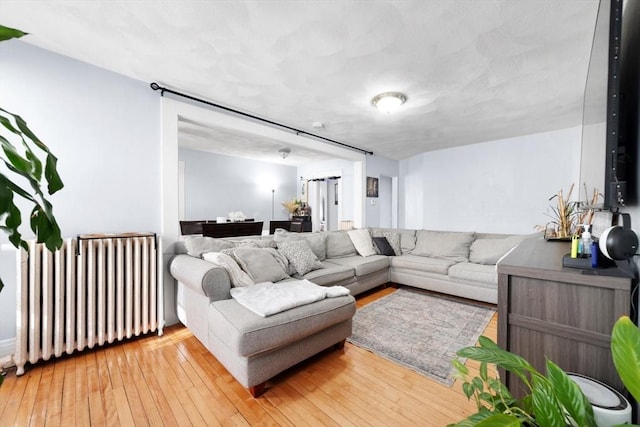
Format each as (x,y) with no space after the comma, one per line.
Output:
(623,116)
(609,160)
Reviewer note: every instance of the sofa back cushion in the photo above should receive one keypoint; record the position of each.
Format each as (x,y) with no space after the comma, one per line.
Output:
(339,245)
(489,251)
(197,245)
(449,245)
(317,241)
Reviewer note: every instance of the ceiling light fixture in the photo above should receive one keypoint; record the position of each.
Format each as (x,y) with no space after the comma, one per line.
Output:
(388,101)
(284,152)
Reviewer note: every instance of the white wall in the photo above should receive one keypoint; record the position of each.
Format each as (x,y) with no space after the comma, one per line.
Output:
(216,185)
(105,130)
(499,186)
(378,167)
(342,168)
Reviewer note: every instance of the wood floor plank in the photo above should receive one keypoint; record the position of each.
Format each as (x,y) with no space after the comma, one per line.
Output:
(6,392)
(123,408)
(54,402)
(174,381)
(28,399)
(39,413)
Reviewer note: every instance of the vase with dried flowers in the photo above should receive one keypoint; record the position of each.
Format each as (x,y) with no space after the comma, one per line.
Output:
(292,206)
(568,216)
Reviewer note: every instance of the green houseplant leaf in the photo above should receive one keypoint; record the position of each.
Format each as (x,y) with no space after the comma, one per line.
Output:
(23,159)
(7,33)
(625,349)
(570,396)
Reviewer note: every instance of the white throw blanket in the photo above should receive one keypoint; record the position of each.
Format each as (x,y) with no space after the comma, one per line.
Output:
(269,298)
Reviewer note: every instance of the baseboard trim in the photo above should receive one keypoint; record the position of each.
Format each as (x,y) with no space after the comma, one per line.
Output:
(7,347)
(7,350)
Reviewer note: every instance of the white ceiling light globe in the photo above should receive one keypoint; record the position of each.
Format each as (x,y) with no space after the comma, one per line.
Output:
(388,101)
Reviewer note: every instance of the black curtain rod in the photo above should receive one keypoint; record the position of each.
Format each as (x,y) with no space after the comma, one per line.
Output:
(156,86)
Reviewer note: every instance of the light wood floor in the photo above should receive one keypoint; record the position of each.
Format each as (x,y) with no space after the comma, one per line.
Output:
(174,380)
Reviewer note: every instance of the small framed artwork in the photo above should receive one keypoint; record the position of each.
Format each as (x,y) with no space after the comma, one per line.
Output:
(335,193)
(372,187)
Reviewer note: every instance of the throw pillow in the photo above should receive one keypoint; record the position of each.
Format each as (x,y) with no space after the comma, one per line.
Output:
(361,239)
(393,238)
(300,256)
(384,248)
(449,245)
(236,275)
(284,262)
(259,264)
(197,245)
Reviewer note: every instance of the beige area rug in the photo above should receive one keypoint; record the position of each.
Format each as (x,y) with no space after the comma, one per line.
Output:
(420,330)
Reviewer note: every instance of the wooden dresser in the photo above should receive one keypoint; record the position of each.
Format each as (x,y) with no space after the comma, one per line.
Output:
(565,315)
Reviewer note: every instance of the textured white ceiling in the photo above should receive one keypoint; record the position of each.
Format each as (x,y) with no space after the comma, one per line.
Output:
(472,70)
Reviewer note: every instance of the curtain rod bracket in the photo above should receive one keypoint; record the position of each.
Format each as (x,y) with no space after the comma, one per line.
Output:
(156,86)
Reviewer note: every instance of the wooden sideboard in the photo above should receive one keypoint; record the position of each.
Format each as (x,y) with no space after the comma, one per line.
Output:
(286,225)
(563,314)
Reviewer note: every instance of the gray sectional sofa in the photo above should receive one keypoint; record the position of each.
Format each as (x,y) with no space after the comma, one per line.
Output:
(255,348)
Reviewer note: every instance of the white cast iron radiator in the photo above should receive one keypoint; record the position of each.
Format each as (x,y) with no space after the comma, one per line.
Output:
(96,289)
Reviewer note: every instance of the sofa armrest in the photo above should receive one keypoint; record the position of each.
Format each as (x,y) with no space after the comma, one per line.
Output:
(201,276)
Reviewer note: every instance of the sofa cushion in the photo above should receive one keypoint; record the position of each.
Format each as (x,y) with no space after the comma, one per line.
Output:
(299,255)
(421,263)
(449,245)
(260,264)
(361,240)
(197,245)
(489,251)
(407,241)
(237,276)
(317,241)
(363,265)
(383,247)
(470,272)
(330,274)
(339,245)
(246,333)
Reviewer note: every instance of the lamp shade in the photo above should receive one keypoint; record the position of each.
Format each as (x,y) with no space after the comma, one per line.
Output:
(618,243)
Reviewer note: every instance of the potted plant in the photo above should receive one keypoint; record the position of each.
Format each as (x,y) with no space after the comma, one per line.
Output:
(553,399)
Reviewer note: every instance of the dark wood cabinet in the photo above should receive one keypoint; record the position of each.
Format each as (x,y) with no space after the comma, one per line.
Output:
(305,226)
(566,315)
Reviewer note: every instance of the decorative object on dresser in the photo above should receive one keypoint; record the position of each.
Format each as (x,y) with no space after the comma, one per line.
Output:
(568,216)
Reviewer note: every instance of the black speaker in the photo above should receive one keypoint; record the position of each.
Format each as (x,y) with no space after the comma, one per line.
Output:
(618,243)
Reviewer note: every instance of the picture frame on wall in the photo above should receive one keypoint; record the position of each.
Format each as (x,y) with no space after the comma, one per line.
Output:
(372,187)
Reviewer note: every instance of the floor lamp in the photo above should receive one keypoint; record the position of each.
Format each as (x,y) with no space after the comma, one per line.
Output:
(273,198)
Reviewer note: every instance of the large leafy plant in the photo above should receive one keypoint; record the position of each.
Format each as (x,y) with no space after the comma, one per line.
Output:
(21,153)
(553,399)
